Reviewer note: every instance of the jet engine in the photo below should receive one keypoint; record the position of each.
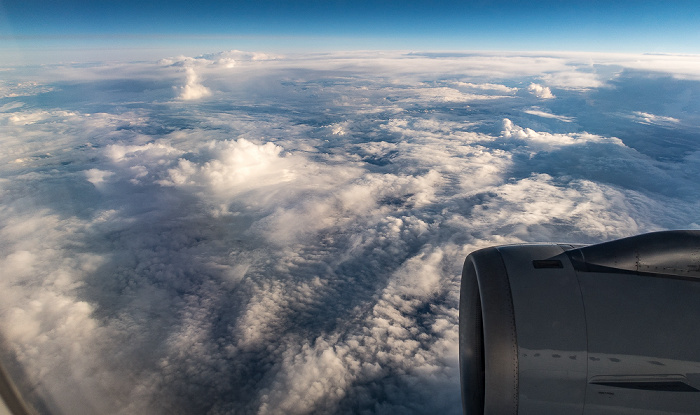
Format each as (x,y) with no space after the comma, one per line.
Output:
(612,328)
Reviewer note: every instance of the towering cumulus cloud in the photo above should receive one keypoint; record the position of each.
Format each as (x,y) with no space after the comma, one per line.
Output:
(295,245)
(193,89)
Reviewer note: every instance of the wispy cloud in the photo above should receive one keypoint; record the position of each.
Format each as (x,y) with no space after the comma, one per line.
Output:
(538,112)
(647,118)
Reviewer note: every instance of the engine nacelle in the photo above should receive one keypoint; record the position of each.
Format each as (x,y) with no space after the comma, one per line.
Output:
(612,328)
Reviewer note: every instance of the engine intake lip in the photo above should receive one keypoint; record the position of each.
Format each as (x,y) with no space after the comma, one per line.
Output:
(488,349)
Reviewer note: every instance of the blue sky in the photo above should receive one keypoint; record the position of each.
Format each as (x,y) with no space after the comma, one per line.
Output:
(597,26)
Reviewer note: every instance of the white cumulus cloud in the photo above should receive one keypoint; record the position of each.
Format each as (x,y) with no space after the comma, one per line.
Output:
(540,91)
(548,141)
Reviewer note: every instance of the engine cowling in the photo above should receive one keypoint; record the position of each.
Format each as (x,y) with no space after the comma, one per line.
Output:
(612,328)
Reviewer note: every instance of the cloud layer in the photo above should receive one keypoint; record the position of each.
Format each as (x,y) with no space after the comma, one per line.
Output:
(285,234)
